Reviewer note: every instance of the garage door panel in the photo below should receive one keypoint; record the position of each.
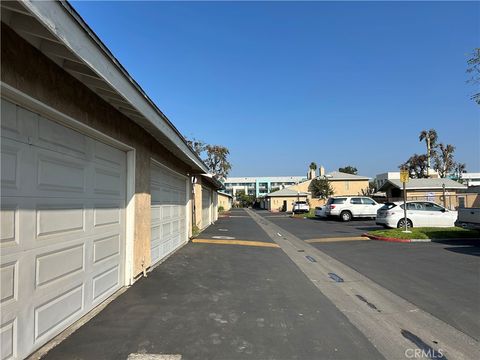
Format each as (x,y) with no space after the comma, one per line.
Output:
(107,215)
(58,264)
(156,214)
(8,335)
(57,311)
(104,248)
(108,182)
(108,156)
(9,224)
(16,122)
(105,283)
(8,282)
(10,123)
(168,202)
(62,227)
(56,174)
(61,139)
(59,220)
(206,207)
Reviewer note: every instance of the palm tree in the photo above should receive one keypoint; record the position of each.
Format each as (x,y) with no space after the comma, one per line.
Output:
(444,163)
(459,170)
(313,166)
(430,138)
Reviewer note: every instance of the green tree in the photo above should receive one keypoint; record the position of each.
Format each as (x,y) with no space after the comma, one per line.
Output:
(430,138)
(349,170)
(458,171)
(217,161)
(474,71)
(214,156)
(274,189)
(443,161)
(321,188)
(416,166)
(243,199)
(372,189)
(313,166)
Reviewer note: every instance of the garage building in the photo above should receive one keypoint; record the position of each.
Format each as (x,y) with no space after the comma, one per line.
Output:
(96,182)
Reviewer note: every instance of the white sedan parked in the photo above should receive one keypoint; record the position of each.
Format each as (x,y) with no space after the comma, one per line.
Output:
(321,211)
(419,214)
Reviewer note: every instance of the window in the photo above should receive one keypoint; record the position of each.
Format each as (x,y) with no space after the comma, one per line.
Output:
(414,206)
(356,201)
(461,201)
(368,201)
(336,201)
(433,207)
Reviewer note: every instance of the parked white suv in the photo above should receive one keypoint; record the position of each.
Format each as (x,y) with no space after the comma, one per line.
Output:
(300,207)
(348,207)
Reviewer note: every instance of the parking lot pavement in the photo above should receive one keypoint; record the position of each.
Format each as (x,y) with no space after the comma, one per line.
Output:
(221,302)
(440,278)
(238,226)
(307,229)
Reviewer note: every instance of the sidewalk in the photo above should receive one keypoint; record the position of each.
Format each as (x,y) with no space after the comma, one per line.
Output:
(212,301)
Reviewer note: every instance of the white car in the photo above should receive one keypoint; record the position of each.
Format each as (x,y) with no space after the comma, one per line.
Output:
(300,207)
(419,214)
(321,211)
(348,207)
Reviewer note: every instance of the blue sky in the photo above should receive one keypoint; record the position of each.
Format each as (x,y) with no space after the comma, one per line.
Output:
(282,84)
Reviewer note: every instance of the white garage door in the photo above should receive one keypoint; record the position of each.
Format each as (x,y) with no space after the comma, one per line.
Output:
(206,206)
(169,211)
(62,227)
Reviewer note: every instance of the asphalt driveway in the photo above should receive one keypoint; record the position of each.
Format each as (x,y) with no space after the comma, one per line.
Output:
(440,278)
(211,301)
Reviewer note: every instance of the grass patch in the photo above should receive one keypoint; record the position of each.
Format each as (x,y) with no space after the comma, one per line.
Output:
(429,233)
(309,215)
(195,231)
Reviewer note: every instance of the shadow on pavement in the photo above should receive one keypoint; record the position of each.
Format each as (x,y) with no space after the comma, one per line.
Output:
(462,246)
(466,250)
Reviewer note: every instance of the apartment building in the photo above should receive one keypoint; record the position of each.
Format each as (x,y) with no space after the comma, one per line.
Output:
(259,186)
(382,178)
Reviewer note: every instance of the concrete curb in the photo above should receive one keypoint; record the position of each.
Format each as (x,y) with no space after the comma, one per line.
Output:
(381,238)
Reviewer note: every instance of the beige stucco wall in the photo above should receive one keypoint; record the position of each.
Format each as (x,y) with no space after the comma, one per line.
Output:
(28,70)
(198,203)
(316,202)
(450,200)
(340,187)
(349,187)
(224,201)
(276,203)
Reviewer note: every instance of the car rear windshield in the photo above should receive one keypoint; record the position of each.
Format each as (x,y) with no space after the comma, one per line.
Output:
(336,201)
(301,202)
(388,206)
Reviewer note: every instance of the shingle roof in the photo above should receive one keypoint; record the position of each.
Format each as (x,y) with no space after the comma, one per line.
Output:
(432,183)
(337,175)
(287,192)
(250,179)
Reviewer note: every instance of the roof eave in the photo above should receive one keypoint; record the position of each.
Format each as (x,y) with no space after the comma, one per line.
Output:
(74,46)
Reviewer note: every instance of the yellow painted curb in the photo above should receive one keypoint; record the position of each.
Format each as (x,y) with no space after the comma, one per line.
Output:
(236,242)
(335,239)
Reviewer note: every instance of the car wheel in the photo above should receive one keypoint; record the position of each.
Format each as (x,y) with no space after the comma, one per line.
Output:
(346,216)
(401,223)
